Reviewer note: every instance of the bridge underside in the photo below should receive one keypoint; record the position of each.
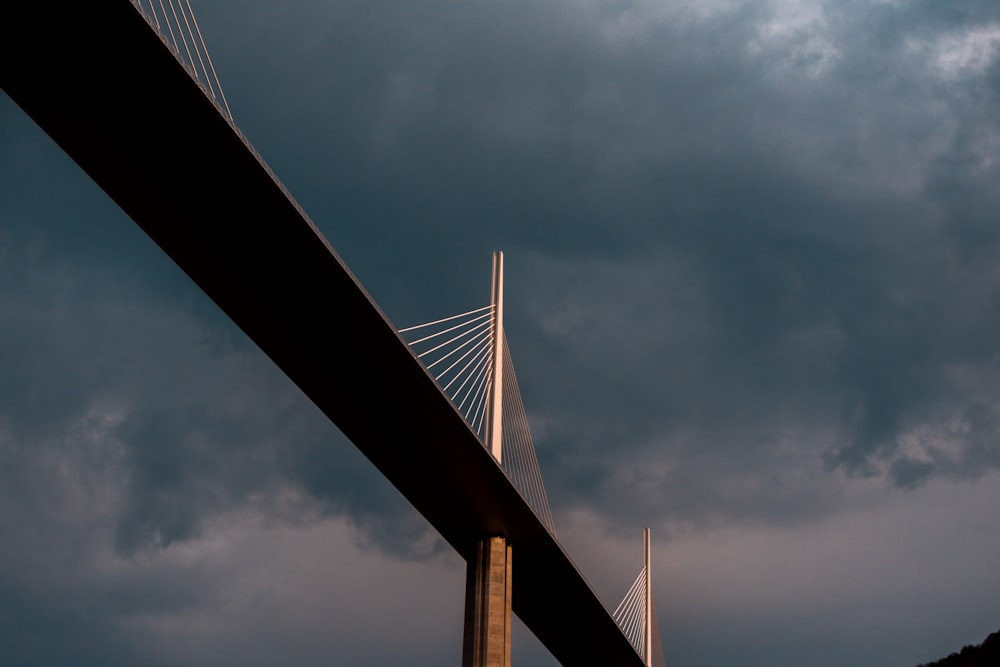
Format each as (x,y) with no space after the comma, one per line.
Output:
(161,150)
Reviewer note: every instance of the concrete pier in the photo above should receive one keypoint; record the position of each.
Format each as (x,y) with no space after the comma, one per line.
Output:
(487,605)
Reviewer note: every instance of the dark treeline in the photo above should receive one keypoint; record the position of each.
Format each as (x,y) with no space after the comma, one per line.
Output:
(986,654)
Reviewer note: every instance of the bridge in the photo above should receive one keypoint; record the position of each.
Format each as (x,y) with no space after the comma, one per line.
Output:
(142,113)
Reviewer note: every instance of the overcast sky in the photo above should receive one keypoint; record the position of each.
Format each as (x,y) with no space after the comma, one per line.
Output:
(753,297)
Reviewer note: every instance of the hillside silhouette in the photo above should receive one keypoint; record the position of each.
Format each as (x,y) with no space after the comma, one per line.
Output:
(986,654)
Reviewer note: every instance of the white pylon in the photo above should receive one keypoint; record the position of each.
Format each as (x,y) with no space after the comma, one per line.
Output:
(648,615)
(494,424)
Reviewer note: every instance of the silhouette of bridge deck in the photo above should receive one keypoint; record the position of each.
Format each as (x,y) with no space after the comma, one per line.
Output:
(160,148)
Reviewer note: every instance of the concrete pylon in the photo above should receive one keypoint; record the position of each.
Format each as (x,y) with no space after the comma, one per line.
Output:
(486,642)
(494,407)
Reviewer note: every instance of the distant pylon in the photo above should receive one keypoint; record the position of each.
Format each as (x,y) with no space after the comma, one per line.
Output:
(648,610)
(653,644)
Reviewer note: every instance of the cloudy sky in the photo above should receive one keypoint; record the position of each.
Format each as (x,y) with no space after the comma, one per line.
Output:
(753,296)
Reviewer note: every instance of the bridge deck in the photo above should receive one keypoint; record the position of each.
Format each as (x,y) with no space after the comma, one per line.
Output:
(163,152)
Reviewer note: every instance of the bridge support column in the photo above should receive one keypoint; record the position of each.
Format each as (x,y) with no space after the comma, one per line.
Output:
(487,606)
